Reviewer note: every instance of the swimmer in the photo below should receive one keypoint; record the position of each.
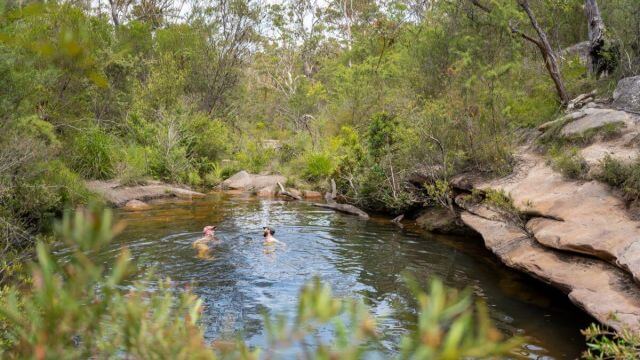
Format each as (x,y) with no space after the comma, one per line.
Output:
(267,233)
(202,245)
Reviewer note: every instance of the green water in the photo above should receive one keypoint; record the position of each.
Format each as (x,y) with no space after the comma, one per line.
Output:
(358,258)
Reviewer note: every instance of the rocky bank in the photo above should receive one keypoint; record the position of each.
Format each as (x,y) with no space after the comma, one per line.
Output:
(134,197)
(577,235)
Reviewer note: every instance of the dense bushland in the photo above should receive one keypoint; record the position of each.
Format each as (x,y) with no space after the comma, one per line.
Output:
(140,90)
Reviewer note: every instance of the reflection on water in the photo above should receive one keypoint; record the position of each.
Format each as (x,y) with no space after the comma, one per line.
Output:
(358,258)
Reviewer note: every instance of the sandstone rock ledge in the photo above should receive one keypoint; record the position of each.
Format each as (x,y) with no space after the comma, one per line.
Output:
(576,235)
(118,195)
(600,289)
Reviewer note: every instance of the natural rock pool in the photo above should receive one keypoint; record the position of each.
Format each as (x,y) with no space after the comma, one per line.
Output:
(358,258)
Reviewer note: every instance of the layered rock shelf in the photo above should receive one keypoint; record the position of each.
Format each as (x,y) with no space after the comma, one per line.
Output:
(118,195)
(577,235)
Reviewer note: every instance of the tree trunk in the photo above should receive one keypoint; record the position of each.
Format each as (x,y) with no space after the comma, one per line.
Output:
(549,56)
(114,13)
(603,56)
(550,59)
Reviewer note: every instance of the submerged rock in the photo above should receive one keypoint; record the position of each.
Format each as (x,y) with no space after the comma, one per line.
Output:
(136,205)
(442,221)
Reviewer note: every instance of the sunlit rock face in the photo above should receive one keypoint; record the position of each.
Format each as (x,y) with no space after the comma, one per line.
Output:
(627,94)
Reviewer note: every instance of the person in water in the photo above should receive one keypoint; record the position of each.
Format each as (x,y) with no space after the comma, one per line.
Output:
(268,233)
(202,245)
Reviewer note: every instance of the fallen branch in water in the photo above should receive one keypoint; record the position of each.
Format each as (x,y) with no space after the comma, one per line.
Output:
(284,192)
(345,208)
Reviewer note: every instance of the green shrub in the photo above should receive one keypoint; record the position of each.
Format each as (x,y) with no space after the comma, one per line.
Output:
(208,138)
(382,133)
(171,163)
(631,186)
(77,309)
(613,171)
(318,166)
(192,178)
(254,158)
(625,177)
(69,187)
(292,182)
(569,162)
(134,167)
(287,152)
(94,154)
(228,169)
(603,343)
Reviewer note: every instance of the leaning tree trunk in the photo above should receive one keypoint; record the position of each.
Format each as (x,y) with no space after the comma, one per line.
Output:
(550,59)
(602,54)
(542,42)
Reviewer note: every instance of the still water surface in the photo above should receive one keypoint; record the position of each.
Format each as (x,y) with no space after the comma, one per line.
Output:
(365,259)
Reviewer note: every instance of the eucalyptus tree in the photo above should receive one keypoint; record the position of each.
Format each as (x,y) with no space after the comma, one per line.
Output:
(540,39)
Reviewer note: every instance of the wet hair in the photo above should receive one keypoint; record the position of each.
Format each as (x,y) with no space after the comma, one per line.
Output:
(209,227)
(268,230)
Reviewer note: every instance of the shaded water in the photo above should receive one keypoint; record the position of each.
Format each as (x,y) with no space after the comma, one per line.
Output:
(358,258)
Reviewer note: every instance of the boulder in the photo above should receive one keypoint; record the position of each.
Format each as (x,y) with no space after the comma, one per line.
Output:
(136,205)
(268,191)
(596,118)
(239,181)
(579,50)
(627,94)
(295,192)
(441,221)
(248,182)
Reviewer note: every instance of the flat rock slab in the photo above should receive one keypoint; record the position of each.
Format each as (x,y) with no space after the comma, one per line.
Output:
(602,290)
(596,118)
(594,221)
(246,181)
(623,149)
(118,195)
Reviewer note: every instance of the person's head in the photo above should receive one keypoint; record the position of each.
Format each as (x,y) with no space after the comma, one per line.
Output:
(267,231)
(209,230)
